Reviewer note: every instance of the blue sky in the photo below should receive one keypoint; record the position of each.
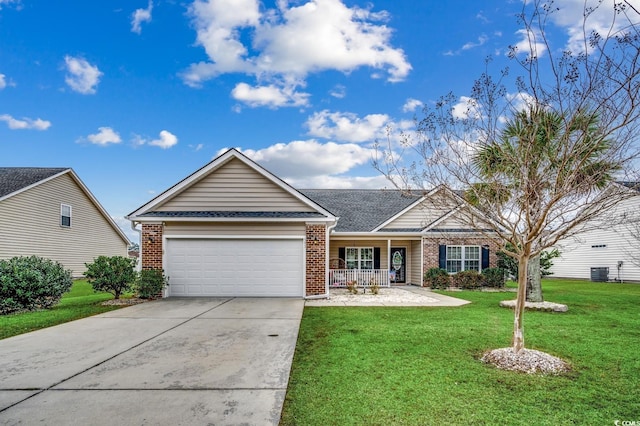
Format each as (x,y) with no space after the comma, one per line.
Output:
(136,95)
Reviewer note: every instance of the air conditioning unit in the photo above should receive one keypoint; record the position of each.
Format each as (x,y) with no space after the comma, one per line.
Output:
(600,274)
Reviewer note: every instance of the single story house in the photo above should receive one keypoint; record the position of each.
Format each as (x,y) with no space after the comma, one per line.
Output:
(233,228)
(49,212)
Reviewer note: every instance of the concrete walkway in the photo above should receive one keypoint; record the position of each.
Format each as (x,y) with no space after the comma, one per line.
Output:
(171,361)
(413,296)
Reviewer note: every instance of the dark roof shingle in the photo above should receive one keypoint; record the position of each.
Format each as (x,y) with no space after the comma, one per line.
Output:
(13,179)
(361,210)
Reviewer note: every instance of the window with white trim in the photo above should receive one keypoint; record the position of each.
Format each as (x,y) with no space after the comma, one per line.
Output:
(359,257)
(463,258)
(65,215)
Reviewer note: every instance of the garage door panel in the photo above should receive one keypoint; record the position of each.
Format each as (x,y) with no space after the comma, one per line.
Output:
(240,267)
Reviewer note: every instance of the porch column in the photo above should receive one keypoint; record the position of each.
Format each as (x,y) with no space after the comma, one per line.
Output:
(388,259)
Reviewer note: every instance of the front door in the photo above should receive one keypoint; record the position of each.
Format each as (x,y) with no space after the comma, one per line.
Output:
(399,264)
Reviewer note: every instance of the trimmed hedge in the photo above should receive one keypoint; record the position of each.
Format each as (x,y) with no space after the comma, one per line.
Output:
(437,278)
(30,283)
(467,280)
(150,283)
(494,277)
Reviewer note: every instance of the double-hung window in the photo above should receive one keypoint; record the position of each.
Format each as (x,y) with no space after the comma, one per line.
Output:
(65,215)
(463,258)
(359,257)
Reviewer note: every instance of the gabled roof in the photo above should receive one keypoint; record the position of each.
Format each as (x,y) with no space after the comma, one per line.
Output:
(14,180)
(17,179)
(361,210)
(148,212)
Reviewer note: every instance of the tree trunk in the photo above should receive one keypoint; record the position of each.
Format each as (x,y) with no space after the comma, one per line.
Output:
(517,341)
(534,281)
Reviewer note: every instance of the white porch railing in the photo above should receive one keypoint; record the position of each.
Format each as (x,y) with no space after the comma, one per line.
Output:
(362,277)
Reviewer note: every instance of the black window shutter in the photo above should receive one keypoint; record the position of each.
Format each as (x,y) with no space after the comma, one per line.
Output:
(442,256)
(341,253)
(485,257)
(376,258)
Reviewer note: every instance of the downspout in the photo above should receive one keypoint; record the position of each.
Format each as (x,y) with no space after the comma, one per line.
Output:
(326,268)
(139,231)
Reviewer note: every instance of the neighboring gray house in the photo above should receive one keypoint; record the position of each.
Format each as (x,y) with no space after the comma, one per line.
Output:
(49,212)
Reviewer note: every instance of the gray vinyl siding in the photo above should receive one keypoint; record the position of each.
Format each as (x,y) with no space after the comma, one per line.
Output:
(30,225)
(415,254)
(234,187)
(234,229)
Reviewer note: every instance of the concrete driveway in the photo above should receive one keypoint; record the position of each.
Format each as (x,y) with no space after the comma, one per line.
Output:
(171,361)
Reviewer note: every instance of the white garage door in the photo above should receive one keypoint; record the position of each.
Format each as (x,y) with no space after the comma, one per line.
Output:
(235,267)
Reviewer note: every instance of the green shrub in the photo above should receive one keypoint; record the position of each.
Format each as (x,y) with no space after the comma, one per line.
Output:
(114,274)
(29,283)
(467,280)
(437,278)
(494,277)
(150,283)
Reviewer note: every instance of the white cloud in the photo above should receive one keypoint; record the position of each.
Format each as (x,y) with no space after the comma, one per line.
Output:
(104,137)
(3,82)
(197,148)
(25,123)
(270,96)
(482,39)
(140,16)
(470,45)
(345,126)
(81,76)
(411,105)
(466,108)
(9,3)
(339,91)
(165,141)
(306,159)
(570,17)
(530,43)
(290,42)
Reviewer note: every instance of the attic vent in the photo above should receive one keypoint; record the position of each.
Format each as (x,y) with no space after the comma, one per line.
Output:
(599,246)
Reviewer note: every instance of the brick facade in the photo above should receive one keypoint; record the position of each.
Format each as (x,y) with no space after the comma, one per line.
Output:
(151,249)
(316,259)
(431,252)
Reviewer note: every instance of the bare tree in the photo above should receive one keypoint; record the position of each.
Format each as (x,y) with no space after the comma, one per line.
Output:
(534,152)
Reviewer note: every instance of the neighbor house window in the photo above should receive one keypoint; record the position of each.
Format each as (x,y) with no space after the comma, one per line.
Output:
(463,258)
(65,215)
(359,257)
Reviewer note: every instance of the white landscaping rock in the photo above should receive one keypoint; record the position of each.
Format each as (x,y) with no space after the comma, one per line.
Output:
(537,306)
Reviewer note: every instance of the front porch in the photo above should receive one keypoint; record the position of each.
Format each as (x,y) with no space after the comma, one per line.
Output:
(367,262)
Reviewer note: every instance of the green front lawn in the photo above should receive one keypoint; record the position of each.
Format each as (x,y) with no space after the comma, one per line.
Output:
(78,303)
(383,366)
